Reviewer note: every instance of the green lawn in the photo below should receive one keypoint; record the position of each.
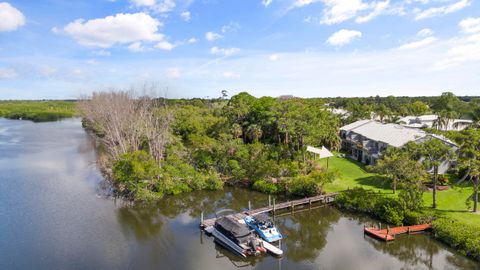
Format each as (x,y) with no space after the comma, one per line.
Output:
(450,203)
(353,174)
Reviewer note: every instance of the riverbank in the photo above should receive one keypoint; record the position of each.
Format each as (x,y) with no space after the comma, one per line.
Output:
(453,223)
(38,110)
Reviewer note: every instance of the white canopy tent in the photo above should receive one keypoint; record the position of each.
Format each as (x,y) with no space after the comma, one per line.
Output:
(322,153)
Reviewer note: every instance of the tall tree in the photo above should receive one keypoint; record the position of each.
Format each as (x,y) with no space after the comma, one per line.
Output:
(432,153)
(399,168)
(469,158)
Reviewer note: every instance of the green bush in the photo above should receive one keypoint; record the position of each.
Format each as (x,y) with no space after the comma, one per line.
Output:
(302,186)
(463,237)
(443,180)
(418,217)
(388,209)
(266,187)
(357,199)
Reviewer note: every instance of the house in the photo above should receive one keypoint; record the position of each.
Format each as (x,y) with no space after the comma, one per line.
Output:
(431,120)
(365,140)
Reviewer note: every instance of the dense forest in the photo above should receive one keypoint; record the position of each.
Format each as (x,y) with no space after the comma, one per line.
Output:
(202,144)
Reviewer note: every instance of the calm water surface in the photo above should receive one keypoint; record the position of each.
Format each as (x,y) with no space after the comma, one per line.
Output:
(52,217)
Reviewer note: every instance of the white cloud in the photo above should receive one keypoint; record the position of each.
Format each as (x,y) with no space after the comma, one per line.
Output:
(165,45)
(192,40)
(231,27)
(224,51)
(143,3)
(464,48)
(337,11)
(418,44)
(343,37)
(136,47)
(266,2)
(7,73)
(10,17)
(302,3)
(211,36)
(186,16)
(442,10)
(378,9)
(230,74)
(102,53)
(46,70)
(163,6)
(470,25)
(274,57)
(425,32)
(118,29)
(173,73)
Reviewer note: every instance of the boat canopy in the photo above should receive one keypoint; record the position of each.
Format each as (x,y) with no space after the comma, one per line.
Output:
(234,227)
(262,218)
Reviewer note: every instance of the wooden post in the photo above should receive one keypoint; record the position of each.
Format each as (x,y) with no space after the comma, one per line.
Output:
(249,206)
(310,204)
(292,207)
(201,219)
(273,206)
(269,200)
(408,230)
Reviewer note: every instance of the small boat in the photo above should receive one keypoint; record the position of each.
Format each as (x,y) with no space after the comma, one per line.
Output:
(264,226)
(237,237)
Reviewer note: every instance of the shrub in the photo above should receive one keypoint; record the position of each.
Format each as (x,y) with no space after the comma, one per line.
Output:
(357,199)
(389,209)
(463,237)
(266,187)
(302,186)
(418,217)
(443,180)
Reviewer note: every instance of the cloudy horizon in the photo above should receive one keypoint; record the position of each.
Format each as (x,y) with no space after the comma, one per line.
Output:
(58,49)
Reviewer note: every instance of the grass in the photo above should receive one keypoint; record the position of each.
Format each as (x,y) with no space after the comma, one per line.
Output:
(353,174)
(37,111)
(450,203)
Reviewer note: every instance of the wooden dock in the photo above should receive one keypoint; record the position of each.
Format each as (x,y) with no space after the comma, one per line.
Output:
(389,233)
(324,198)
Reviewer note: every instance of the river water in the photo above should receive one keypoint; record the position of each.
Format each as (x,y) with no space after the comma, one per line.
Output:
(53,216)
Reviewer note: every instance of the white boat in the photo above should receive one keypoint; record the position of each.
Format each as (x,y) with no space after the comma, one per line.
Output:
(272,249)
(237,237)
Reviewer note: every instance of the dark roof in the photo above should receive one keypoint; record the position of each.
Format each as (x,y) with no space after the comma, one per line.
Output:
(229,224)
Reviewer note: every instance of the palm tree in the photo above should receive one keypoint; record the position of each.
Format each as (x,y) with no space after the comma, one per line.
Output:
(254,132)
(469,158)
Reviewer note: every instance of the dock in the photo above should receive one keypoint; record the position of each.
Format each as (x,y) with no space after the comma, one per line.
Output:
(324,198)
(389,233)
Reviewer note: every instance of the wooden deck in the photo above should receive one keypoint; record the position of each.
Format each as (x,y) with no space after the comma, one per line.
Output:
(325,198)
(389,234)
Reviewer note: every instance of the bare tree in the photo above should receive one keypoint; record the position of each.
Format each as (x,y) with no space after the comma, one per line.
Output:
(127,121)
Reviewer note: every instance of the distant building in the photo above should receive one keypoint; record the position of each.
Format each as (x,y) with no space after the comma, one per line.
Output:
(344,114)
(429,121)
(365,140)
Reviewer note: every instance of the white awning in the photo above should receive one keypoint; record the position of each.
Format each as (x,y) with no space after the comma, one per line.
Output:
(323,152)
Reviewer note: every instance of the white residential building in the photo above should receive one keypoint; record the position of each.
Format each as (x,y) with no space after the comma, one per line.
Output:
(365,140)
(429,121)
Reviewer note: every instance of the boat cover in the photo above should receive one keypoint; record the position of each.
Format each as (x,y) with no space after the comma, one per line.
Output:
(228,224)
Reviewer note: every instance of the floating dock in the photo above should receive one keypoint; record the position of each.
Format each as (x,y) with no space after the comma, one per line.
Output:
(389,233)
(324,198)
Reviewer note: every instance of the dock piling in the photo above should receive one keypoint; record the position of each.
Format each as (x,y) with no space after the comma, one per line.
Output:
(201,218)
(249,206)
(269,200)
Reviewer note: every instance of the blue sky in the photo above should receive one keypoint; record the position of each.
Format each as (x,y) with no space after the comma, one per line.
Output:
(55,49)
